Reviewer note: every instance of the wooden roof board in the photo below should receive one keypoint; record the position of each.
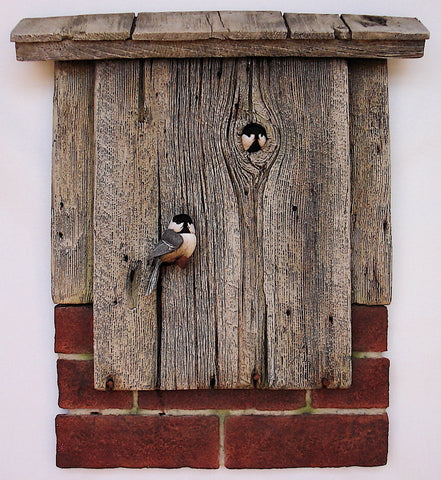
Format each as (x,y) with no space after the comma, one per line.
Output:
(80,27)
(174,26)
(315,26)
(217,34)
(371,27)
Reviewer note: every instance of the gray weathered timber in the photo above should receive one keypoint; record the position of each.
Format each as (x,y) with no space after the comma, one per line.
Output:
(370,183)
(175,26)
(370,27)
(126,222)
(264,25)
(200,311)
(305,224)
(313,26)
(81,27)
(87,50)
(73,155)
(224,318)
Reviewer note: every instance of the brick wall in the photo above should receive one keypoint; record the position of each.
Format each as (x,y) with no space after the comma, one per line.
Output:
(213,428)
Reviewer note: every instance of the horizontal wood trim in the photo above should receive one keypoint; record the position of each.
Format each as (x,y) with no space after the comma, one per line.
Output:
(217,34)
(88,50)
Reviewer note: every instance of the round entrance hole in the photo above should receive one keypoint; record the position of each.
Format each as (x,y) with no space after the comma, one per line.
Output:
(253,137)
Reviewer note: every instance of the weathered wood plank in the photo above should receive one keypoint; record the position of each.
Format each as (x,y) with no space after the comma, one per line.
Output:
(266,25)
(176,26)
(75,50)
(126,213)
(314,26)
(370,183)
(199,304)
(173,26)
(306,246)
(224,318)
(370,27)
(81,27)
(73,154)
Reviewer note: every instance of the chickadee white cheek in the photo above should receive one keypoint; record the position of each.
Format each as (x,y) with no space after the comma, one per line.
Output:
(261,140)
(176,227)
(247,141)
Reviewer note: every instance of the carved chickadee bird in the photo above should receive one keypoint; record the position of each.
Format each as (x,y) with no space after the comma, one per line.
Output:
(253,137)
(176,246)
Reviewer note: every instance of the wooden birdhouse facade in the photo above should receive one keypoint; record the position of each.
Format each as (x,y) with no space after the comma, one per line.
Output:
(148,123)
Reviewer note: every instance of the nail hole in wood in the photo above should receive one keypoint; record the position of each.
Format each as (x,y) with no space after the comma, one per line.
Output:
(132,275)
(110,384)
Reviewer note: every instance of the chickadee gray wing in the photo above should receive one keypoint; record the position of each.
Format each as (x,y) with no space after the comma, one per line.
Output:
(170,241)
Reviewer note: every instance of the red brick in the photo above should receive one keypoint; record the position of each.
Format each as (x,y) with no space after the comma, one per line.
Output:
(369,328)
(305,441)
(136,441)
(76,388)
(73,329)
(223,399)
(370,387)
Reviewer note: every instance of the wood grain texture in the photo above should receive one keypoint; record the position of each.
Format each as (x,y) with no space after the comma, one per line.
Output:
(73,154)
(199,304)
(302,26)
(305,225)
(263,25)
(126,216)
(221,315)
(80,27)
(75,50)
(370,27)
(370,183)
(175,26)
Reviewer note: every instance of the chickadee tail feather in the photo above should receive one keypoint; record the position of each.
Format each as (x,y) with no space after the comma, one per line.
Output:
(154,274)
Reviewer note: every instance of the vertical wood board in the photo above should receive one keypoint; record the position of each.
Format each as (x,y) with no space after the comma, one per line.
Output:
(126,216)
(224,319)
(370,183)
(305,225)
(73,154)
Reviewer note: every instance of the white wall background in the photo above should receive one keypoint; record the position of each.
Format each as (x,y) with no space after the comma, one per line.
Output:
(28,393)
